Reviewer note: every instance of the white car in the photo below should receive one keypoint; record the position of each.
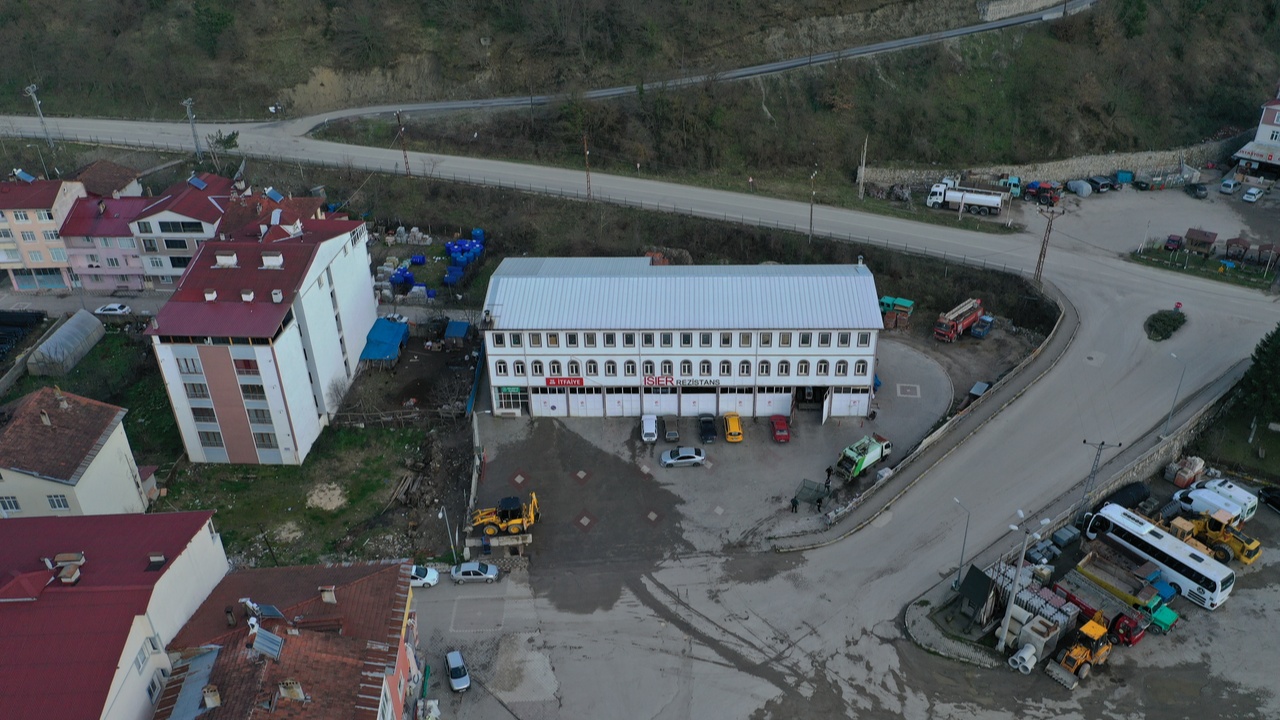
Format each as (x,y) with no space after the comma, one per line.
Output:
(114,309)
(396,317)
(1252,194)
(423,577)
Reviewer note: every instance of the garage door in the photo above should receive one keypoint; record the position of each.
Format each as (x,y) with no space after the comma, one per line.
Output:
(622,402)
(661,401)
(739,400)
(773,403)
(549,403)
(851,402)
(586,402)
(695,402)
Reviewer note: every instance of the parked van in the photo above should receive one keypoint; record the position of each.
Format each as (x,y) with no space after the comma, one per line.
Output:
(1229,186)
(1199,500)
(649,428)
(1247,501)
(671,428)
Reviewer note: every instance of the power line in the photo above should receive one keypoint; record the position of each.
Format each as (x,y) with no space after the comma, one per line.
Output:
(30,91)
(190,104)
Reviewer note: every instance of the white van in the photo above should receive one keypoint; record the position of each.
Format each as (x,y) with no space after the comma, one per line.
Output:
(649,428)
(1229,186)
(1247,501)
(1199,500)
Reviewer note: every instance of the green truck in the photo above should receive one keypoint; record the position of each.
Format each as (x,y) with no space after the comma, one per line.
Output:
(855,459)
(1128,587)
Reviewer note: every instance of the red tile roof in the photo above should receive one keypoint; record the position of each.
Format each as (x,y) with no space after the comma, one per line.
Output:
(246,216)
(38,195)
(105,177)
(103,217)
(77,632)
(328,656)
(62,449)
(188,313)
(187,200)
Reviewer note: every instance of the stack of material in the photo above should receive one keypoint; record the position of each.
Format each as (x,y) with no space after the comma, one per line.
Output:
(1189,471)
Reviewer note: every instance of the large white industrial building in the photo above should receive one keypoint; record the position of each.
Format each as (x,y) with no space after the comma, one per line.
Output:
(621,336)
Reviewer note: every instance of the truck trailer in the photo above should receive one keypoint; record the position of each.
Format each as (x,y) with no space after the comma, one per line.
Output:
(977,201)
(1127,585)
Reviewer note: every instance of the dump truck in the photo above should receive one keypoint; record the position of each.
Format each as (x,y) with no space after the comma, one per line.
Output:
(855,459)
(1085,649)
(978,201)
(1128,624)
(511,516)
(982,328)
(1014,185)
(952,324)
(1131,589)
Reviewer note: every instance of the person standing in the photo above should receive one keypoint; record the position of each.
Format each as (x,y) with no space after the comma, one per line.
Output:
(795,505)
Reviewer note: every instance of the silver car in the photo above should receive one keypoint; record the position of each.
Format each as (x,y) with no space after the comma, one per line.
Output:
(683,457)
(474,572)
(459,678)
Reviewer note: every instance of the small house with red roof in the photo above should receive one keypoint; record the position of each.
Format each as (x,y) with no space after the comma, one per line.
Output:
(101,248)
(32,254)
(89,604)
(262,338)
(323,642)
(62,454)
(171,228)
(103,178)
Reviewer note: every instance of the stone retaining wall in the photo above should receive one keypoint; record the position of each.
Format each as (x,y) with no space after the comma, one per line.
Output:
(1000,9)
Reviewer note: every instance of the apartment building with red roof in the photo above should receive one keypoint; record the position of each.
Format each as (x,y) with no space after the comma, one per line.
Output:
(101,248)
(322,642)
(32,254)
(171,228)
(89,604)
(262,338)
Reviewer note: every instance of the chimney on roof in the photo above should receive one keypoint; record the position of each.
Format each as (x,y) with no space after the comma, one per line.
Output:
(246,295)
(71,558)
(210,295)
(224,259)
(292,689)
(328,594)
(272,260)
(44,418)
(62,399)
(102,208)
(212,698)
(69,574)
(155,561)
(257,208)
(231,615)
(277,296)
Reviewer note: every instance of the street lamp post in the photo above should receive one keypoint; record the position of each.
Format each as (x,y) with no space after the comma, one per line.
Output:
(813,195)
(1017,580)
(956,585)
(1175,395)
(453,553)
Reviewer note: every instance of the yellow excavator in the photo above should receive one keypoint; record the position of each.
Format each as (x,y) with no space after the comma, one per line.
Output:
(1216,535)
(510,516)
(1088,648)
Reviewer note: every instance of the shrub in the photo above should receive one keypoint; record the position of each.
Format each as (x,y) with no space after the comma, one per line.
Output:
(1162,325)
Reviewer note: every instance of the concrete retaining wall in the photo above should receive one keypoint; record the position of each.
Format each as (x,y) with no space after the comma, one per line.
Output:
(999,9)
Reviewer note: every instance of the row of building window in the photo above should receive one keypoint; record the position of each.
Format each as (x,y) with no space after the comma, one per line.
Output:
(35,256)
(257,416)
(667,368)
(22,216)
(200,391)
(686,339)
(30,236)
(144,227)
(191,366)
(9,503)
(262,441)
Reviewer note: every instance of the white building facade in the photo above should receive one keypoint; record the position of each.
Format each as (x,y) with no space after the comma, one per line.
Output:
(622,337)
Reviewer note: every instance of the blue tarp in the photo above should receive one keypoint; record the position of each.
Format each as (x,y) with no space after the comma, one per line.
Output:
(456,330)
(385,340)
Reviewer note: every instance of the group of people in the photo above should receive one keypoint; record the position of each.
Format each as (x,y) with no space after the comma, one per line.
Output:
(795,501)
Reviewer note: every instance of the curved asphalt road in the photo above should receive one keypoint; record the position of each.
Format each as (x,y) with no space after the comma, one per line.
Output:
(1111,384)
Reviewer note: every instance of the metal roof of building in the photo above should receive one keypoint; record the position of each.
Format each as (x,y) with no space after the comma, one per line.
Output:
(630,293)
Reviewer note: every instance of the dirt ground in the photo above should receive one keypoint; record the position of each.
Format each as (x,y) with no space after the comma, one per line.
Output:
(971,360)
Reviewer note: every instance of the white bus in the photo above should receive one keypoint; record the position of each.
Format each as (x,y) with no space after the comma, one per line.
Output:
(1203,580)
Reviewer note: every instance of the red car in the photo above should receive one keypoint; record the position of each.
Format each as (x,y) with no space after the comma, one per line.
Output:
(781,433)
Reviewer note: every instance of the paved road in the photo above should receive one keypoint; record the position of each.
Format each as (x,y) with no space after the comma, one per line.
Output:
(829,639)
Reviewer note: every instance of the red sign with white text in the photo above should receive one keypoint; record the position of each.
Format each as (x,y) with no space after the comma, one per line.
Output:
(564,382)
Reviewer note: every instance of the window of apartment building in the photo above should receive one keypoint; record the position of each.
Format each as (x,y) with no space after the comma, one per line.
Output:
(156,262)
(28,236)
(6,234)
(196,390)
(860,367)
(668,367)
(823,367)
(96,278)
(149,244)
(842,339)
(203,414)
(764,368)
(802,368)
(609,339)
(784,368)
(593,367)
(20,216)
(58,254)
(556,368)
(726,368)
(646,339)
(704,368)
(806,339)
(58,502)
(166,279)
(666,339)
(575,368)
(2,216)
(518,367)
(128,243)
(686,339)
(535,340)
(499,339)
(704,339)
(246,367)
(144,227)
(179,261)
(156,686)
(49,234)
(726,339)
(44,215)
(210,439)
(589,339)
(628,340)
(500,367)
(9,503)
(784,339)
(864,339)
(265,441)
(253,392)
(105,242)
(184,226)
(517,340)
(610,368)
(744,368)
(648,367)
(571,340)
(744,339)
(174,243)
(538,368)
(630,368)
(140,660)
(35,256)
(12,255)
(553,340)
(842,368)
(824,339)
(686,368)
(766,339)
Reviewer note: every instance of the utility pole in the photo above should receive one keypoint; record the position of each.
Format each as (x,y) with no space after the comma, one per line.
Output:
(1044,244)
(813,195)
(586,159)
(862,169)
(404,149)
(1093,474)
(30,91)
(190,104)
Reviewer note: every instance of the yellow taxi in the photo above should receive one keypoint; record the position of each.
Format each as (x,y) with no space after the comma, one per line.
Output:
(732,427)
